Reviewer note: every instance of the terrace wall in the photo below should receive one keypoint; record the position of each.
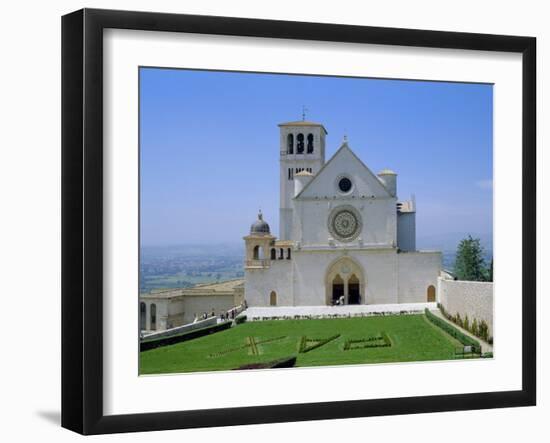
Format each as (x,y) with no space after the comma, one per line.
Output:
(471,298)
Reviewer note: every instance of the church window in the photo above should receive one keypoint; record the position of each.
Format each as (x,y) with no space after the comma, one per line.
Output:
(288,254)
(344,184)
(153,317)
(300,144)
(310,143)
(273,299)
(273,254)
(256,253)
(290,144)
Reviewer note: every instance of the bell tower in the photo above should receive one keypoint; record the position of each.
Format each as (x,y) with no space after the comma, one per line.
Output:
(302,148)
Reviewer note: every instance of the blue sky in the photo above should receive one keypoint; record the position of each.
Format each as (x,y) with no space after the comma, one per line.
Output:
(210,148)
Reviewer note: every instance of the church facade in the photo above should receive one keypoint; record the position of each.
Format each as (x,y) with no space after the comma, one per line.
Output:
(344,236)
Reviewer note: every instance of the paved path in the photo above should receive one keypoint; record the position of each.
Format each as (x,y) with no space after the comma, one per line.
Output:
(485,347)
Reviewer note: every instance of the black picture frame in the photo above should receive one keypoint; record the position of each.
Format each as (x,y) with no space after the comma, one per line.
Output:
(82,218)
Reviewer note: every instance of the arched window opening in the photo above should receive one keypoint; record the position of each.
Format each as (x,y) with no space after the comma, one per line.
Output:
(431,294)
(290,173)
(256,253)
(290,144)
(288,254)
(300,144)
(310,143)
(153,317)
(273,254)
(273,299)
(354,294)
(142,316)
(281,254)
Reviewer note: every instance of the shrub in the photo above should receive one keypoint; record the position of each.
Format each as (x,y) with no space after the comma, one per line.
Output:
(475,328)
(451,330)
(316,343)
(287,362)
(250,342)
(458,320)
(146,345)
(378,341)
(483,330)
(466,323)
(240,319)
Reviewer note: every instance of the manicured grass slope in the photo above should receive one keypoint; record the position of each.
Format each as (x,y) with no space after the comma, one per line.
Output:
(413,339)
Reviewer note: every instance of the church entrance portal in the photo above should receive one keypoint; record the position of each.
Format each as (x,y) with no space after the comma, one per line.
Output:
(345,283)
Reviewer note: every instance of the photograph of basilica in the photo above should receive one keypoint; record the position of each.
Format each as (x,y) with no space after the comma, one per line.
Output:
(267,244)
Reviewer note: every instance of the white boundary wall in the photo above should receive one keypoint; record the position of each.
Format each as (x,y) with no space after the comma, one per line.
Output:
(258,313)
(471,298)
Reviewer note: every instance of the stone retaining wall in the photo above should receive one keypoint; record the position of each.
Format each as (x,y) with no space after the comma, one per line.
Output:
(471,298)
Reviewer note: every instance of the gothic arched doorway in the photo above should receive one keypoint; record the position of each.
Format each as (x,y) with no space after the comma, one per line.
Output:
(344,280)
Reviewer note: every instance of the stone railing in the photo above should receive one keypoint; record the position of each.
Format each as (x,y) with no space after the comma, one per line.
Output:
(261,263)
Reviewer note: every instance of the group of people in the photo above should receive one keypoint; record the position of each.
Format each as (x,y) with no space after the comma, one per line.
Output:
(231,314)
(228,315)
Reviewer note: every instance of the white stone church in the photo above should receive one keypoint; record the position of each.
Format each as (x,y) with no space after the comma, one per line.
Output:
(344,234)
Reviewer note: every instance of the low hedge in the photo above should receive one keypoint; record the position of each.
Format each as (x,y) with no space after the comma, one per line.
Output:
(146,345)
(240,319)
(250,343)
(377,341)
(451,330)
(318,343)
(287,362)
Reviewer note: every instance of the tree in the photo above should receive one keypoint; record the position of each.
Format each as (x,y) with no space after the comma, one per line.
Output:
(469,264)
(490,271)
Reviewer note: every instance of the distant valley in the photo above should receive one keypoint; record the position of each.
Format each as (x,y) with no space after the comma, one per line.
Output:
(181,266)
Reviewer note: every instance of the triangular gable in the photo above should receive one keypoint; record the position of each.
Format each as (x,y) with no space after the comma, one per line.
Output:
(344,161)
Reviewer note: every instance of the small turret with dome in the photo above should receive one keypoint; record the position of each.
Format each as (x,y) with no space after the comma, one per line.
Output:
(260,226)
(258,243)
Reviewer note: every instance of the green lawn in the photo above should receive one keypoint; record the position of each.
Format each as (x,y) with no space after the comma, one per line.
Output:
(413,338)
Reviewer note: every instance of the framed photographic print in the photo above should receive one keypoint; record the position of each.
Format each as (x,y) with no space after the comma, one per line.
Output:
(269,221)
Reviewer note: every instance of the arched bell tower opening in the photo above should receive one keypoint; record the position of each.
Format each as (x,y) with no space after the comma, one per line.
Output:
(344,280)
